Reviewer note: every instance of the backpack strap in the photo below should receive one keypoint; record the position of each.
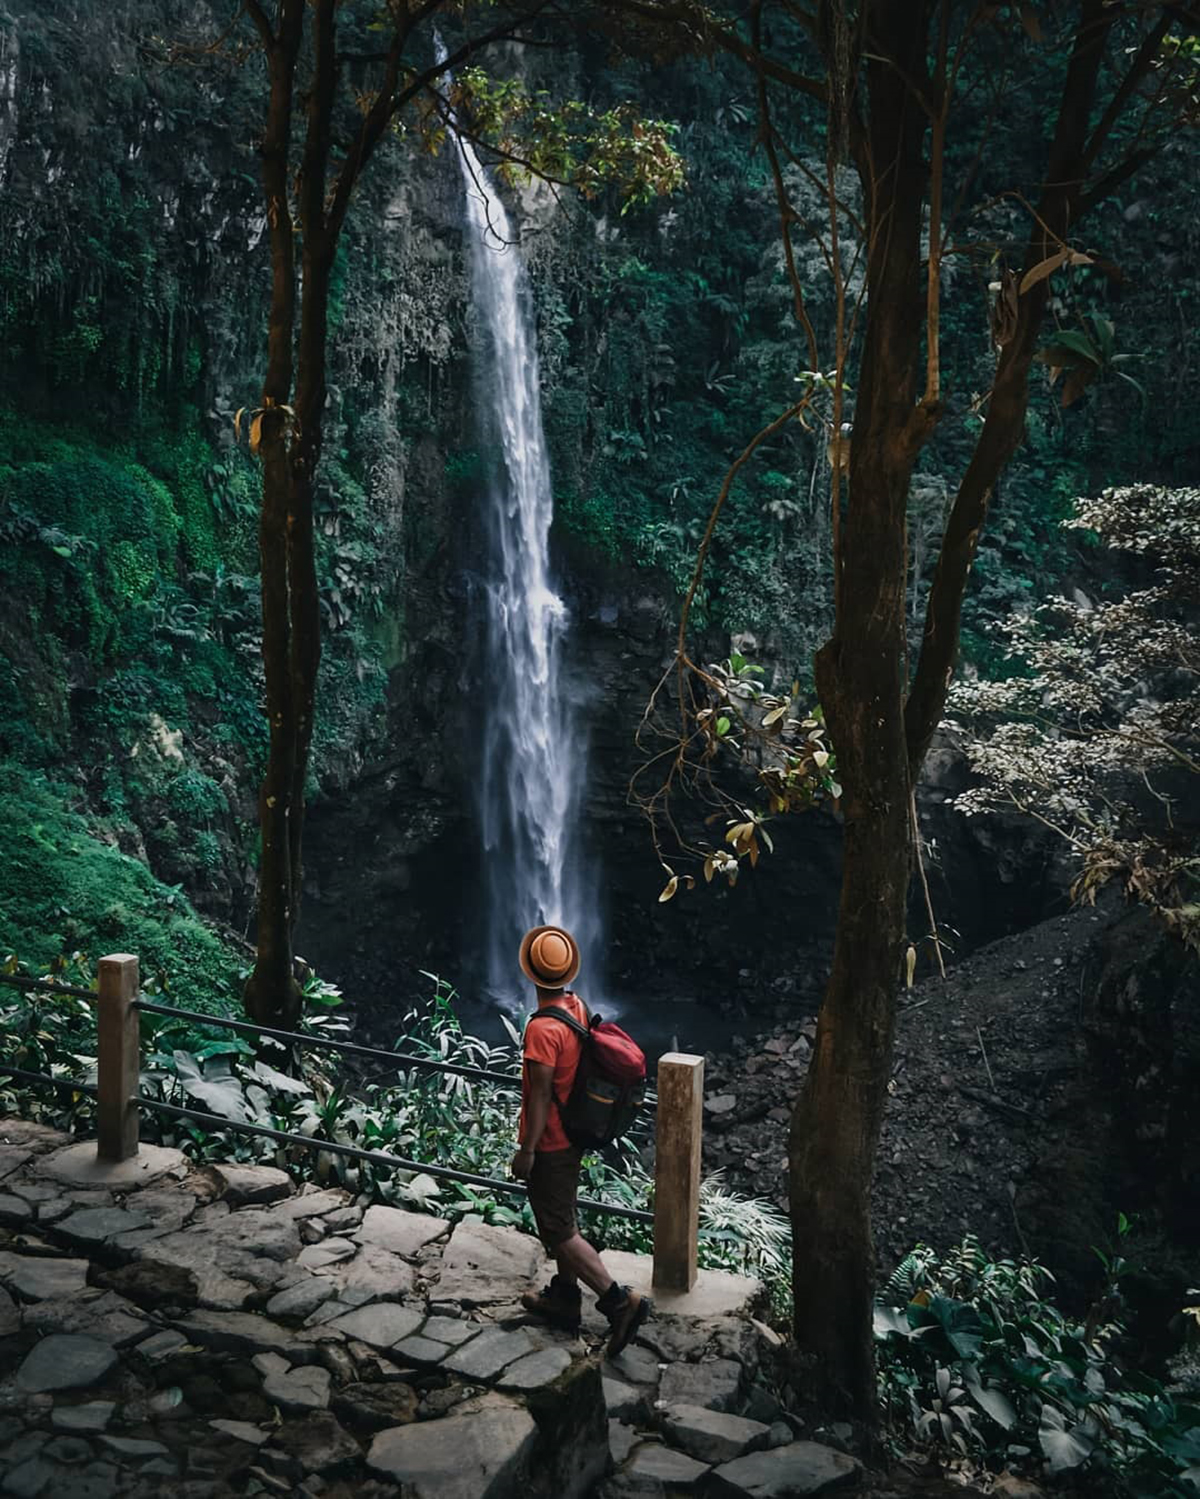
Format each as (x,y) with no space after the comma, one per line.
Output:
(556,1012)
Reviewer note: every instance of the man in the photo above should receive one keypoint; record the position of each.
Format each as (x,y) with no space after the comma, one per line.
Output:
(547,1160)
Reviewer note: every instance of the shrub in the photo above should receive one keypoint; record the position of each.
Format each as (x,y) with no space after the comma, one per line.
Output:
(975,1358)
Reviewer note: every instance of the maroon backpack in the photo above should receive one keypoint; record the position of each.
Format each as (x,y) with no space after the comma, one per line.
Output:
(610,1081)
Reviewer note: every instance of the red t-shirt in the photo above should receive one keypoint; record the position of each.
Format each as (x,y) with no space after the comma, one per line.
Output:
(557,1046)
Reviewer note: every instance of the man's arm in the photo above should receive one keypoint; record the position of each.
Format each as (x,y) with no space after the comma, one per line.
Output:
(539,1092)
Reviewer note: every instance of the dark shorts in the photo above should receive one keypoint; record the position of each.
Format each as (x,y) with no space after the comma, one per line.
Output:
(553,1187)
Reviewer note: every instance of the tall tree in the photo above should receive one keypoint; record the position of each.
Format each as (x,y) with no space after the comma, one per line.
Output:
(887,73)
(340,74)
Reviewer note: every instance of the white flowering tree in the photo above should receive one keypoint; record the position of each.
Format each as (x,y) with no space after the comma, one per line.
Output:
(1097,733)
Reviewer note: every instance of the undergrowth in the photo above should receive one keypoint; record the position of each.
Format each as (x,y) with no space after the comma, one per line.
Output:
(978,1362)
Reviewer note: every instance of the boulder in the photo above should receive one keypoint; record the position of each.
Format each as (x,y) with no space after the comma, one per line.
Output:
(87,1419)
(65,1361)
(626,1402)
(15,1212)
(238,1332)
(230,1256)
(80,1166)
(314,1203)
(483,1265)
(399,1231)
(95,1225)
(151,1285)
(372,1273)
(381,1326)
(420,1350)
(671,1468)
(319,1443)
(96,1314)
(714,1384)
(452,1330)
(301,1299)
(375,1406)
(535,1370)
(479,1452)
(242,1185)
(303,1389)
(241,1431)
(622,1439)
(325,1254)
(39,1277)
(485,1356)
(712,1436)
(634,1365)
(792,1472)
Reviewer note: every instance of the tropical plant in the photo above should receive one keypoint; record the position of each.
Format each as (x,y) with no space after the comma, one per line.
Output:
(975,1359)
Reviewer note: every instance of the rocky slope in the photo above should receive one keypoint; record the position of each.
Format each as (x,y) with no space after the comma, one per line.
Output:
(1051,1083)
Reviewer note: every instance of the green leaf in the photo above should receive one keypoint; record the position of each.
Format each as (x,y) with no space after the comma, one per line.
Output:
(1066,1447)
(958,1321)
(1075,343)
(989,1398)
(889,1320)
(279,1081)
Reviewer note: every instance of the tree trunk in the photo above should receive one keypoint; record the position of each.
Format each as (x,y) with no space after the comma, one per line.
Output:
(272,996)
(860,682)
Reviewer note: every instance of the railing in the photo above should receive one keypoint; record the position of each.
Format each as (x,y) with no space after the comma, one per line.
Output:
(119,1102)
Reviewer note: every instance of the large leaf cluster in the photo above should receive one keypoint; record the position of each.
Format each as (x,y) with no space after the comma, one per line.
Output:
(975,1358)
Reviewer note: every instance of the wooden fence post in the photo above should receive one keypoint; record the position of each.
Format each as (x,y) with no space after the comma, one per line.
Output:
(118,1058)
(677,1170)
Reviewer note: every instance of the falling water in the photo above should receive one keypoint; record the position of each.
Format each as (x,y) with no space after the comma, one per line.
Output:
(533,757)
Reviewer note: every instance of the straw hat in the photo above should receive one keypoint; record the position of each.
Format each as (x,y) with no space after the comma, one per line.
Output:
(549,956)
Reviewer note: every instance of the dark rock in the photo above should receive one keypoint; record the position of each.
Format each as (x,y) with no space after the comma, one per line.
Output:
(242,1185)
(151,1286)
(374,1407)
(712,1436)
(319,1443)
(675,1470)
(302,1298)
(485,1356)
(95,1225)
(96,1314)
(15,1212)
(714,1384)
(65,1361)
(38,1277)
(480,1449)
(93,1416)
(793,1472)
(535,1369)
(67,1450)
(298,1389)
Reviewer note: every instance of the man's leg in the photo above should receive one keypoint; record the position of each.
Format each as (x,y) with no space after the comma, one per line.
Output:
(577,1260)
(553,1185)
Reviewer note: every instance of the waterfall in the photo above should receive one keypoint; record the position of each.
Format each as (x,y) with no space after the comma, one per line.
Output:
(533,756)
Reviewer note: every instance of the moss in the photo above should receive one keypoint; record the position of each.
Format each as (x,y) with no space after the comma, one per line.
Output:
(62,888)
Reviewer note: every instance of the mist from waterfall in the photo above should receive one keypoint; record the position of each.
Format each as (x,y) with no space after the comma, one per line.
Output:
(533,761)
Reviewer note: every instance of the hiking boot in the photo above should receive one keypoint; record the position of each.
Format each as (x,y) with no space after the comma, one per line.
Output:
(625,1318)
(558,1303)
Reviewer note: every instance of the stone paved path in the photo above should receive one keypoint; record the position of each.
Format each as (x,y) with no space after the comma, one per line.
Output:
(199,1332)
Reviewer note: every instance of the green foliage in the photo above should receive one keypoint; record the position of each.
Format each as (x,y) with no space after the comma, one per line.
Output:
(567,142)
(975,1358)
(64,889)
